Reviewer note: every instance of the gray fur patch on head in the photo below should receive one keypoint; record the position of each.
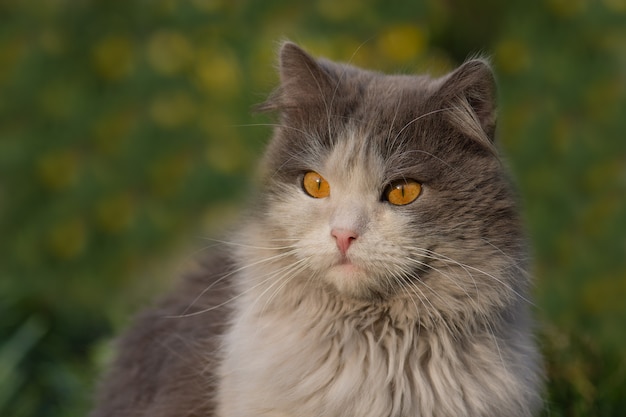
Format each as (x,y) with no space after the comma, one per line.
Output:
(439,132)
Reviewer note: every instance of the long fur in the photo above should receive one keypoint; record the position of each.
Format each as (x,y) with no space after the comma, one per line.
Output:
(430,316)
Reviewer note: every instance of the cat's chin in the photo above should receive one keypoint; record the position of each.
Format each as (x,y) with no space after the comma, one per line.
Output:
(350,280)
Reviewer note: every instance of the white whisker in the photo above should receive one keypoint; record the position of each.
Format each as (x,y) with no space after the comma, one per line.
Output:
(243,245)
(294,270)
(222,278)
(445,259)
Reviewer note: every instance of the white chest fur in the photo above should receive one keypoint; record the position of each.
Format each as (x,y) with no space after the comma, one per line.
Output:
(329,362)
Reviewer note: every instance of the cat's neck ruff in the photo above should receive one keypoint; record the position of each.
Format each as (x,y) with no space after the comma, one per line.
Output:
(318,353)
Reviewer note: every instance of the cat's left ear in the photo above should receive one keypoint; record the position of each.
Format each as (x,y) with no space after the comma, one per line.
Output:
(304,82)
(470,91)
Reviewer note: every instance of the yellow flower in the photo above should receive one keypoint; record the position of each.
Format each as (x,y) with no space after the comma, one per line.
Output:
(169,52)
(58,170)
(618,6)
(115,214)
(67,239)
(512,56)
(227,156)
(403,42)
(339,10)
(218,73)
(567,8)
(112,57)
(172,109)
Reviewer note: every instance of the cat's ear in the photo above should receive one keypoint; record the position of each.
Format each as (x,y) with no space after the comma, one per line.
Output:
(303,81)
(470,92)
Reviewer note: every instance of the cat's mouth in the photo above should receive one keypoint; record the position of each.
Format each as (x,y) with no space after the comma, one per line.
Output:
(347,276)
(346,265)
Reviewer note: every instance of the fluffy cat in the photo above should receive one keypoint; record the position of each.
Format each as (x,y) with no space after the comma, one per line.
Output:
(381,272)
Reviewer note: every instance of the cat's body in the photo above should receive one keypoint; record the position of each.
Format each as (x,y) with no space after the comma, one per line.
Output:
(346,299)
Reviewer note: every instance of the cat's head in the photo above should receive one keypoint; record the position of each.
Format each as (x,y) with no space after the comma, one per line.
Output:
(378,186)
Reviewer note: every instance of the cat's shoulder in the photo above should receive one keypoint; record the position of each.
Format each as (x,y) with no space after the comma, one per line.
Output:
(169,347)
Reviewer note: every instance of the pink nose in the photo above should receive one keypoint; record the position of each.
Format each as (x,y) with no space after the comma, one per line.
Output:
(344,238)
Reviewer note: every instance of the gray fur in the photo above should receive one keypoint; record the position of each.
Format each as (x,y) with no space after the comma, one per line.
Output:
(429,318)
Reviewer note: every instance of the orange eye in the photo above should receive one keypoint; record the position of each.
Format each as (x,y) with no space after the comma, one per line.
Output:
(315,185)
(403,192)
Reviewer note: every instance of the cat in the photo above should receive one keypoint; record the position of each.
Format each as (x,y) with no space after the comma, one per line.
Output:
(381,271)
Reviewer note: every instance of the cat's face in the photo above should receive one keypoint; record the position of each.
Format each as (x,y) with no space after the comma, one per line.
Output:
(387,186)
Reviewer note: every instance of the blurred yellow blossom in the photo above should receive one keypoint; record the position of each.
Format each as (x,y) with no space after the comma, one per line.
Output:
(58,169)
(109,130)
(218,72)
(11,51)
(512,56)
(112,57)
(264,55)
(561,133)
(115,213)
(169,52)
(339,10)
(66,240)
(596,177)
(227,155)
(567,8)
(605,294)
(615,5)
(172,109)
(218,215)
(167,173)
(208,5)
(603,95)
(402,43)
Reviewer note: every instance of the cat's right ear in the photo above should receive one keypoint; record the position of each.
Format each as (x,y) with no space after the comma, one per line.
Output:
(304,83)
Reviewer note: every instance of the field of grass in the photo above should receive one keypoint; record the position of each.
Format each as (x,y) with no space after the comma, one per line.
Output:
(126,135)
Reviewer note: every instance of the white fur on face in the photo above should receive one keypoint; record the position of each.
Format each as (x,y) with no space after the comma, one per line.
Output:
(378,254)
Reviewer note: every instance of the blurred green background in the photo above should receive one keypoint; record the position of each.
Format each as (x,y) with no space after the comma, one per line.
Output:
(126,136)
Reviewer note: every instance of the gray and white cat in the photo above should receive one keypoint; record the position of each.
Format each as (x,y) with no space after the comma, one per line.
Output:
(382,271)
